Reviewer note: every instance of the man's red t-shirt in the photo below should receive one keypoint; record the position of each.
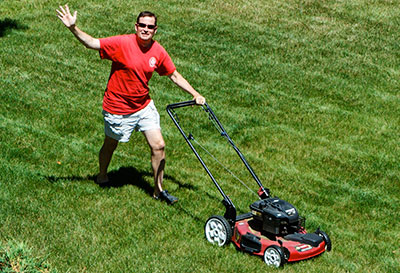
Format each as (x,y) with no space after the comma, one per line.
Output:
(132,67)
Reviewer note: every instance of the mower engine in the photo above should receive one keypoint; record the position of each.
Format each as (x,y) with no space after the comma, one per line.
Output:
(276,216)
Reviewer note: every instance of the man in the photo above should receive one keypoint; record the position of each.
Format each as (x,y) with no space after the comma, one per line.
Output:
(126,104)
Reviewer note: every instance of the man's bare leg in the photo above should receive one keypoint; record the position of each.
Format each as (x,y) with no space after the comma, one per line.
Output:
(156,142)
(105,156)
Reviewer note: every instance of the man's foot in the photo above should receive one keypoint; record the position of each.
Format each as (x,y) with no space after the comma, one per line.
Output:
(165,196)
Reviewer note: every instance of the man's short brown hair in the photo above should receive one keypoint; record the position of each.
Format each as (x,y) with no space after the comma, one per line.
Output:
(146,14)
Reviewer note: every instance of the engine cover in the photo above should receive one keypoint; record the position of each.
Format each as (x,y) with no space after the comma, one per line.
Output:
(277,216)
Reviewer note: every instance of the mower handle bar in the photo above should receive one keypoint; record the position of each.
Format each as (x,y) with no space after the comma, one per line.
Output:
(170,107)
(230,213)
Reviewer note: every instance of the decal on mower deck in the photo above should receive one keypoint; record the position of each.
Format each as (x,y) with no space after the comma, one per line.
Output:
(303,248)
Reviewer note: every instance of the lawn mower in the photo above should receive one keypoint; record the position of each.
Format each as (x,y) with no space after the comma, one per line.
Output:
(272,229)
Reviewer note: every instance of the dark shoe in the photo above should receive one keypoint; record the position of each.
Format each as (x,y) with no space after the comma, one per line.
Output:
(165,196)
(102,183)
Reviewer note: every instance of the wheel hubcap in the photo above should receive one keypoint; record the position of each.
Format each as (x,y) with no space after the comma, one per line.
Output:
(272,257)
(215,232)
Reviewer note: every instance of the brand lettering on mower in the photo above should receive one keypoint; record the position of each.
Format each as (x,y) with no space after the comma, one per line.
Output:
(291,211)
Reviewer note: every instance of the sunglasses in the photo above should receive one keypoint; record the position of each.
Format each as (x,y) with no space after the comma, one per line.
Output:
(148,26)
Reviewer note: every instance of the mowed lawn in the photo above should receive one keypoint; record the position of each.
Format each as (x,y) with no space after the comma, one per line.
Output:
(308,90)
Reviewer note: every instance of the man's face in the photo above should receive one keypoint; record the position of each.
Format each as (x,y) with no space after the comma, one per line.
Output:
(146,28)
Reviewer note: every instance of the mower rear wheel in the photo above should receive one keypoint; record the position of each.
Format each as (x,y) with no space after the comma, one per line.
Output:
(218,231)
(273,256)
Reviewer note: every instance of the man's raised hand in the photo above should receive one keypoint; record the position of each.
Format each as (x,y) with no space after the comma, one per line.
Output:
(65,16)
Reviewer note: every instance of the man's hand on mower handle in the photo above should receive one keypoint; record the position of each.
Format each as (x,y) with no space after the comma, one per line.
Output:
(200,100)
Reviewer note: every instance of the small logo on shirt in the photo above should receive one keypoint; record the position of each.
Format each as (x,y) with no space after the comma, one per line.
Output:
(152,62)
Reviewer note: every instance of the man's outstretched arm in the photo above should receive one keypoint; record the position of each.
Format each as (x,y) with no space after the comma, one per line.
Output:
(69,21)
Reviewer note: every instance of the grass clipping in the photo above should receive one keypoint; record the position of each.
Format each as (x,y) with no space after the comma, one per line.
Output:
(16,257)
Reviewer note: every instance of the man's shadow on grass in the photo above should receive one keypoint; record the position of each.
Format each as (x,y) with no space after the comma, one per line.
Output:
(7,24)
(122,177)
(131,176)
(127,176)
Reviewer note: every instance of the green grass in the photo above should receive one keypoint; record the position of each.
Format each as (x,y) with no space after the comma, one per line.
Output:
(17,258)
(308,90)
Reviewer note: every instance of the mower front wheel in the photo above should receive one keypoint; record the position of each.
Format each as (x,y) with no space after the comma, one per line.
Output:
(273,256)
(327,240)
(218,231)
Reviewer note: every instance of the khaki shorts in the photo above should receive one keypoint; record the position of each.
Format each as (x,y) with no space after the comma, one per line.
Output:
(120,127)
